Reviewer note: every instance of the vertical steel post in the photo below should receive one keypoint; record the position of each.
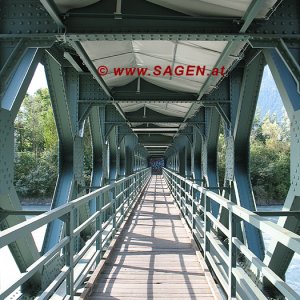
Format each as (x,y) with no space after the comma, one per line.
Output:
(114,199)
(70,254)
(99,221)
(232,256)
(207,224)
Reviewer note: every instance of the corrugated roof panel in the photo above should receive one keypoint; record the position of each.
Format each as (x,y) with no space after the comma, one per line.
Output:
(107,49)
(158,49)
(217,46)
(196,56)
(223,8)
(176,84)
(65,5)
(150,54)
(168,109)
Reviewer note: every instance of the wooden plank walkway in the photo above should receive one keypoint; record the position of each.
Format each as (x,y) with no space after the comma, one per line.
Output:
(153,257)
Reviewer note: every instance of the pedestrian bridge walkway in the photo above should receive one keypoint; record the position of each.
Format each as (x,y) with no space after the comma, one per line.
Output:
(134,245)
(154,257)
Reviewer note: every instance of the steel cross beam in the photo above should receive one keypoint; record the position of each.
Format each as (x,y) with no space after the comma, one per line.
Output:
(51,8)
(278,257)
(86,60)
(96,119)
(240,131)
(64,93)
(283,50)
(248,17)
(17,73)
(209,150)
(46,23)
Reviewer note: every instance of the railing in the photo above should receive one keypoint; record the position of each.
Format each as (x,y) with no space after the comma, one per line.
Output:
(113,202)
(235,266)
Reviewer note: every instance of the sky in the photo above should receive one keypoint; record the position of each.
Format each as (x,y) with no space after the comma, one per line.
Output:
(38,81)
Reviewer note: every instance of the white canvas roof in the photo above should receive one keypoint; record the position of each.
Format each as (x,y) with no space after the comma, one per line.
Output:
(126,54)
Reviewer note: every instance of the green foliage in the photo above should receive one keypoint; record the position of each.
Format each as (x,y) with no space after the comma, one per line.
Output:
(270,159)
(36,161)
(36,147)
(35,180)
(36,151)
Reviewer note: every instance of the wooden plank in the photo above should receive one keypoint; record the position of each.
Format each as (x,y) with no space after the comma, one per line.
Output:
(174,296)
(153,257)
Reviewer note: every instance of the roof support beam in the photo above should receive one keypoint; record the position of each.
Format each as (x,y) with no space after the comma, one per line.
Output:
(248,17)
(109,27)
(251,13)
(85,58)
(156,129)
(51,8)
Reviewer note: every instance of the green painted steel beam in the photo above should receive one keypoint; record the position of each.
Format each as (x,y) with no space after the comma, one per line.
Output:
(231,47)
(209,150)
(53,11)
(166,24)
(18,71)
(283,50)
(278,256)
(17,84)
(159,25)
(96,119)
(151,116)
(251,14)
(101,25)
(90,90)
(87,61)
(155,139)
(241,130)
(66,132)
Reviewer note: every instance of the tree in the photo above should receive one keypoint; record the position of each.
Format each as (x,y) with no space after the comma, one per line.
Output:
(36,146)
(270,157)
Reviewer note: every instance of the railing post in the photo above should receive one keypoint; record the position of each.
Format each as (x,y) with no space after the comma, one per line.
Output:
(232,255)
(178,192)
(122,199)
(185,200)
(129,192)
(99,222)
(207,224)
(132,185)
(172,178)
(194,210)
(114,211)
(69,254)
(135,186)
(140,181)
(175,186)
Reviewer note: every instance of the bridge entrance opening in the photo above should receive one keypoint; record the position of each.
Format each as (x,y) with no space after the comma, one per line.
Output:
(157,165)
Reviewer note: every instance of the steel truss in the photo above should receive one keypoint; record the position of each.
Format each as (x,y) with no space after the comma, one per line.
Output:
(34,32)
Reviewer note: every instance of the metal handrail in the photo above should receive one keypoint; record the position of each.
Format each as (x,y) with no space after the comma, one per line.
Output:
(204,227)
(104,232)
